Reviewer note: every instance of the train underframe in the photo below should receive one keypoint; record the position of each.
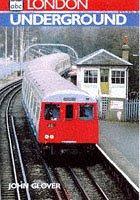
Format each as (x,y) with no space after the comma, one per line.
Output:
(55,149)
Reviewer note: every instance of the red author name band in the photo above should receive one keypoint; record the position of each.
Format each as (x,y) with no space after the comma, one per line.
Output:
(74,5)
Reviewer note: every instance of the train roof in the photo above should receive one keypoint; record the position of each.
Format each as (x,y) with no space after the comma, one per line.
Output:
(52,87)
(48,62)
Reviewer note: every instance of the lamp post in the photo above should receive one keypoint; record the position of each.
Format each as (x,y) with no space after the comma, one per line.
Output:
(33,40)
(4,43)
(6,52)
(21,42)
(13,43)
(1,47)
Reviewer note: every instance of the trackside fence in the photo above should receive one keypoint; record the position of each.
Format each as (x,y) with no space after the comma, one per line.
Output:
(132,110)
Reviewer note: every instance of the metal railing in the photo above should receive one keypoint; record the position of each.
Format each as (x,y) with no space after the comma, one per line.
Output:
(131,110)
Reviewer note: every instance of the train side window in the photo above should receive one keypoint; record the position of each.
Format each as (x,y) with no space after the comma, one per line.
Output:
(86,112)
(30,99)
(34,107)
(52,112)
(69,112)
(29,93)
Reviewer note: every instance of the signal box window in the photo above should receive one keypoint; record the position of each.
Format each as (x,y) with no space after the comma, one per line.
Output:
(52,112)
(69,111)
(90,76)
(86,112)
(118,77)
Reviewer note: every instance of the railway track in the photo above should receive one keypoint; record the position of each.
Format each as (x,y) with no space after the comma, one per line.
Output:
(77,184)
(11,160)
(97,191)
(92,182)
(87,190)
(7,89)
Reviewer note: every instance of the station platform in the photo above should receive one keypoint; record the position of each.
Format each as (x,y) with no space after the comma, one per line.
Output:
(120,141)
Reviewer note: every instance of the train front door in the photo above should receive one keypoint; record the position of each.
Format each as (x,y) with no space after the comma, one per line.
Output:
(104,81)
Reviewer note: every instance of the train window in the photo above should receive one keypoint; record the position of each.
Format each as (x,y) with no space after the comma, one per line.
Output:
(69,111)
(31,101)
(34,107)
(30,98)
(52,112)
(86,112)
(28,95)
(25,89)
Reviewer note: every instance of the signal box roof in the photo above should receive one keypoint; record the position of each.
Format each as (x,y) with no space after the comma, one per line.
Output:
(102,58)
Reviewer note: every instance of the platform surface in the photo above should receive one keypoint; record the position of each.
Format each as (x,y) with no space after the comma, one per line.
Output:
(120,140)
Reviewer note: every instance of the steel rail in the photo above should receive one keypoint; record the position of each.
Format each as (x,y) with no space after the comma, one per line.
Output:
(133,185)
(51,181)
(18,149)
(94,182)
(20,159)
(6,94)
(64,190)
(78,184)
(11,147)
(57,193)
(2,90)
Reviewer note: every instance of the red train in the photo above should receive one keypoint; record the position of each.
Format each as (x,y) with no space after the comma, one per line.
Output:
(61,114)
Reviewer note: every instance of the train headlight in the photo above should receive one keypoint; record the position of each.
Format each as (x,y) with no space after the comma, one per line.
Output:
(46,137)
(52,137)
(51,125)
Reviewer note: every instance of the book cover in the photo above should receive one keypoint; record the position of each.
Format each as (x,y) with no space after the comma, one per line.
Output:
(69,99)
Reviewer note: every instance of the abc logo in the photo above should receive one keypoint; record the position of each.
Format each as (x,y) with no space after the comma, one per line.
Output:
(16,5)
